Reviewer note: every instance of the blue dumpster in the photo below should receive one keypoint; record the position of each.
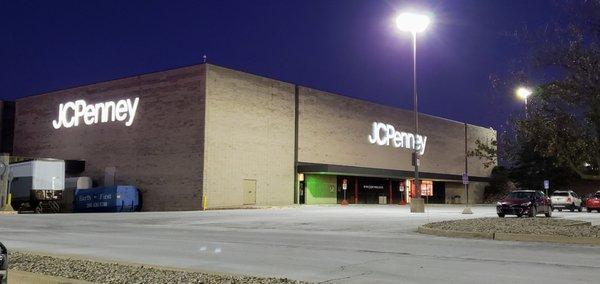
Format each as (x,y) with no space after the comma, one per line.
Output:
(121,198)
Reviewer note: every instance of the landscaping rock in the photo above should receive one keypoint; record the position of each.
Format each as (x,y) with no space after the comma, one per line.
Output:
(535,226)
(105,272)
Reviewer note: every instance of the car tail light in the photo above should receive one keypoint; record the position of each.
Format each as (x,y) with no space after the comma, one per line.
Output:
(569,199)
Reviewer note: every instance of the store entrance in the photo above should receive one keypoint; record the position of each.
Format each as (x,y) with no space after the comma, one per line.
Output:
(370,190)
(431,191)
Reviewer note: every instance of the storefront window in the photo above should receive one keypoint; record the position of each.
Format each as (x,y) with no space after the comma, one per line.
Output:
(426,188)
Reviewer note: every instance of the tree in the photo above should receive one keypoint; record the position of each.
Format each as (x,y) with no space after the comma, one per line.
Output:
(560,136)
(531,169)
(561,132)
(486,152)
(563,122)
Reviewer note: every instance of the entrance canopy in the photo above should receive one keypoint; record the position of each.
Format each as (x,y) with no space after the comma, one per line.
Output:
(382,173)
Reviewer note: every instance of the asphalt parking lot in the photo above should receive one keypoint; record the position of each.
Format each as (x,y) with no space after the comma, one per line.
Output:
(355,244)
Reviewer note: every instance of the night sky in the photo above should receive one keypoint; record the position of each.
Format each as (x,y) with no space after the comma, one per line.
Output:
(349,47)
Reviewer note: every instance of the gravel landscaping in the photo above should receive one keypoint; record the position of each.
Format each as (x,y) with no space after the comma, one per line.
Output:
(534,226)
(105,272)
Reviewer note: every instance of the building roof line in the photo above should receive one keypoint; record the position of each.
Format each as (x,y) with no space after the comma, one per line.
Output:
(235,70)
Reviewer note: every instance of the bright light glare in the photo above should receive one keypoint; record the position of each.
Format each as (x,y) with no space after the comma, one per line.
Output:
(523,92)
(410,22)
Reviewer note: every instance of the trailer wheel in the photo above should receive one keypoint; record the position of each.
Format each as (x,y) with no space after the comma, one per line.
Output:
(39,209)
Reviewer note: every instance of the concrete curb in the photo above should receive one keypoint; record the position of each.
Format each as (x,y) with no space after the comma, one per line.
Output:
(455,234)
(546,239)
(579,223)
(23,277)
(511,237)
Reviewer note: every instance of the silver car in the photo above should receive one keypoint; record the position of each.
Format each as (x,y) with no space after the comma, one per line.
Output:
(566,199)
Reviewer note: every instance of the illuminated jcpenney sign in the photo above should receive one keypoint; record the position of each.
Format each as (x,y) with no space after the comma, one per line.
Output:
(385,134)
(71,113)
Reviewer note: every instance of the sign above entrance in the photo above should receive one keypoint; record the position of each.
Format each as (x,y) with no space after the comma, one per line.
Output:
(385,135)
(71,113)
(372,186)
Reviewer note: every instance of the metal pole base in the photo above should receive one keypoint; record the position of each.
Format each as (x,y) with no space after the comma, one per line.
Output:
(417,205)
(7,209)
(467,210)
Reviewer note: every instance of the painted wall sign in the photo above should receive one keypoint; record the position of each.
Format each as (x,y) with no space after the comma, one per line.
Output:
(71,114)
(386,135)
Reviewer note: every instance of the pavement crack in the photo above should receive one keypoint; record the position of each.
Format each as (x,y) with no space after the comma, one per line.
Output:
(343,268)
(347,277)
(384,252)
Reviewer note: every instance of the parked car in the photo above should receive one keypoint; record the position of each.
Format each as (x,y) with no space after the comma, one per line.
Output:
(524,202)
(593,202)
(566,199)
(584,199)
(3,264)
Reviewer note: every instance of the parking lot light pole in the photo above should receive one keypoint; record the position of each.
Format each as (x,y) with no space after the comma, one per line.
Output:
(524,93)
(414,23)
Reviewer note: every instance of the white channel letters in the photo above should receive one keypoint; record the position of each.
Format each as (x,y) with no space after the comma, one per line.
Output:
(385,134)
(71,113)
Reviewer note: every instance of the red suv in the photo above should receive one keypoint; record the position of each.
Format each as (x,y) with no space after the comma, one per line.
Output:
(593,202)
(524,202)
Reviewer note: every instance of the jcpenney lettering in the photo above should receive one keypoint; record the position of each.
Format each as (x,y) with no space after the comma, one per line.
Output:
(71,113)
(385,134)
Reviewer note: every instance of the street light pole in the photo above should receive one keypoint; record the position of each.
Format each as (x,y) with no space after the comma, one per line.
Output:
(526,112)
(524,93)
(414,23)
(416,113)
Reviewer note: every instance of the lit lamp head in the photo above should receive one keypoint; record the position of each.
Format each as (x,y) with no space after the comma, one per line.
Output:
(523,93)
(414,23)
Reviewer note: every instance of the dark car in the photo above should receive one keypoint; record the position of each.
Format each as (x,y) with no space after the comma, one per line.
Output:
(3,264)
(593,202)
(524,202)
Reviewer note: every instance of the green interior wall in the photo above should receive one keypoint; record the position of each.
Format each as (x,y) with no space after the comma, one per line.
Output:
(321,189)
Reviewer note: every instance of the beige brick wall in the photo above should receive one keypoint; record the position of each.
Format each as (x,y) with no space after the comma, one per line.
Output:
(333,130)
(209,127)
(161,153)
(476,191)
(486,135)
(249,135)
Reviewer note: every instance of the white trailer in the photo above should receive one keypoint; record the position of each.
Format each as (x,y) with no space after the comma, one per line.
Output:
(38,184)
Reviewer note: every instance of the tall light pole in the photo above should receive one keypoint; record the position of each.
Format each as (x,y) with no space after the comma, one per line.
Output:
(414,23)
(524,93)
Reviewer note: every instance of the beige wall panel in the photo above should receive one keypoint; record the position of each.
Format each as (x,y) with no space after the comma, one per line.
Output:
(161,152)
(249,135)
(333,130)
(476,167)
(476,191)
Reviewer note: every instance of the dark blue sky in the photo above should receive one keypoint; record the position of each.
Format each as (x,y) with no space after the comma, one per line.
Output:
(350,47)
